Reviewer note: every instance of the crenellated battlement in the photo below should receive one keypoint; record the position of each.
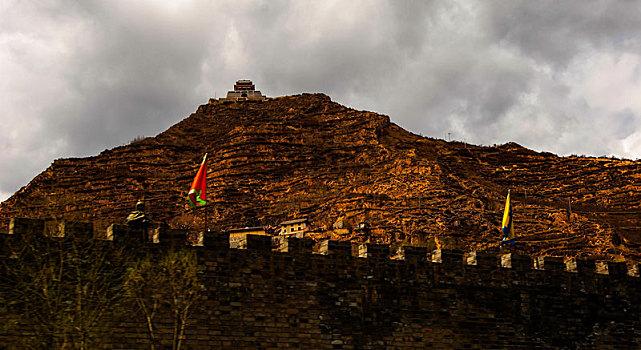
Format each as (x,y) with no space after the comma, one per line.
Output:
(283,291)
(443,258)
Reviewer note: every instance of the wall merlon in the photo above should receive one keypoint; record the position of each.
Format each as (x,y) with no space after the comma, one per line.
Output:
(483,259)
(617,269)
(252,242)
(411,253)
(337,248)
(550,263)
(153,236)
(373,251)
(470,258)
(280,244)
(293,245)
(516,261)
(124,233)
(168,237)
(449,257)
(602,268)
(25,225)
(583,266)
(74,229)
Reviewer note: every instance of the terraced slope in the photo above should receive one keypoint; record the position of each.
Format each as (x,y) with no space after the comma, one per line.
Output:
(306,155)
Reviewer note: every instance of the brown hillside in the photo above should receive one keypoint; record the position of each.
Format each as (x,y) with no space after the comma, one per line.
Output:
(305,155)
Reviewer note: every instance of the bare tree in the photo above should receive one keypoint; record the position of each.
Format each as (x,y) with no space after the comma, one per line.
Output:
(171,282)
(141,284)
(60,290)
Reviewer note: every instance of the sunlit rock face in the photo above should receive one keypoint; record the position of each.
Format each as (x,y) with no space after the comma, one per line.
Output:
(290,157)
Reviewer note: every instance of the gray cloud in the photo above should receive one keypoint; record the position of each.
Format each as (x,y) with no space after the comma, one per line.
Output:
(554,31)
(80,77)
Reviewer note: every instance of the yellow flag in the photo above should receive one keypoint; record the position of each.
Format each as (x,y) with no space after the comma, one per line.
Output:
(508,223)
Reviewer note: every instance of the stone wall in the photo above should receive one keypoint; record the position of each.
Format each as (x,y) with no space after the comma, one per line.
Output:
(276,293)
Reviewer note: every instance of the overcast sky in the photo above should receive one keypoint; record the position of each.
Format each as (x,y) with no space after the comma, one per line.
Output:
(78,77)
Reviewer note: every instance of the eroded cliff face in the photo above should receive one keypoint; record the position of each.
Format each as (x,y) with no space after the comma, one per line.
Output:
(305,155)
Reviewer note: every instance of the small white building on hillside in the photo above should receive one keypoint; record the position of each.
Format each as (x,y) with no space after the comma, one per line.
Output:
(296,228)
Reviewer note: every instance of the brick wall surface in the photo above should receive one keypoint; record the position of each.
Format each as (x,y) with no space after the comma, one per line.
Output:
(288,297)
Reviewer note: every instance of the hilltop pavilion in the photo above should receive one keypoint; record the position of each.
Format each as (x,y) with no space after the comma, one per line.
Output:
(244,90)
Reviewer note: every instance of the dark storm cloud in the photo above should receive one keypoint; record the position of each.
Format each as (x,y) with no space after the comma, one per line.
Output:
(92,76)
(134,73)
(553,32)
(84,76)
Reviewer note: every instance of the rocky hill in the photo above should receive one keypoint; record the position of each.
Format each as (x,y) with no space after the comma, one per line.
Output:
(305,155)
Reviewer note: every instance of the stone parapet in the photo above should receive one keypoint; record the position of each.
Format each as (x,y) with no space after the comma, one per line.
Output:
(273,292)
(445,257)
(549,263)
(253,242)
(74,229)
(24,225)
(293,245)
(412,254)
(448,257)
(373,251)
(336,248)
(580,265)
(216,240)
(483,260)
(516,261)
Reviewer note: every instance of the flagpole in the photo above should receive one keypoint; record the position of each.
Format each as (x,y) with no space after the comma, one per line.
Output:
(206,215)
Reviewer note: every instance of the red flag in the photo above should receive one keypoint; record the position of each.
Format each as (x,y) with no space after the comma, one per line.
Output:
(198,191)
